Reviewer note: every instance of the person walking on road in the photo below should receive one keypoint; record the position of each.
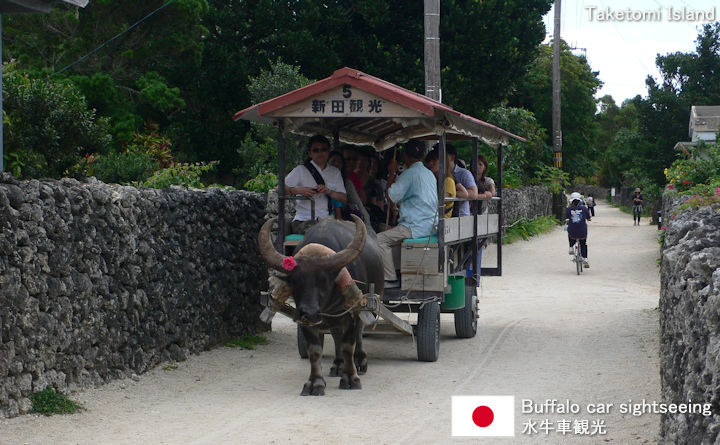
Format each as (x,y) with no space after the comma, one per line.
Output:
(591,204)
(637,207)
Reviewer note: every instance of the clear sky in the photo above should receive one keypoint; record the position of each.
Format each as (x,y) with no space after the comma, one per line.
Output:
(623,49)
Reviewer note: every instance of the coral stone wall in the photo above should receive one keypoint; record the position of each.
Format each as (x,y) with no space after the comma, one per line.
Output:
(101,281)
(690,321)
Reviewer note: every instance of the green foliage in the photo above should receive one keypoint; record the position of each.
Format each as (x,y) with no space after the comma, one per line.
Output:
(580,83)
(520,159)
(186,175)
(555,179)
(123,168)
(687,79)
(258,151)
(109,99)
(154,144)
(262,183)
(186,67)
(49,126)
(699,200)
(700,167)
(524,229)
(248,341)
(48,402)
(156,100)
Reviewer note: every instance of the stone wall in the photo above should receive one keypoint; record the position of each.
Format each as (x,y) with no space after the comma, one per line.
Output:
(102,281)
(690,321)
(525,203)
(597,191)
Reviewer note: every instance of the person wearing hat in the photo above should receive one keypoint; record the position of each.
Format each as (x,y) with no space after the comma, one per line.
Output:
(416,193)
(637,208)
(578,215)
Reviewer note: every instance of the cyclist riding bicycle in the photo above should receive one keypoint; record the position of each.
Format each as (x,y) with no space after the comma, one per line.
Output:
(577,216)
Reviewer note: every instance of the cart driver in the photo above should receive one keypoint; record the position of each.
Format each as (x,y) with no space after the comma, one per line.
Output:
(317,179)
(416,193)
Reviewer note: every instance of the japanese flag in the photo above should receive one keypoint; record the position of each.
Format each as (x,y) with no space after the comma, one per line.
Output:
(483,415)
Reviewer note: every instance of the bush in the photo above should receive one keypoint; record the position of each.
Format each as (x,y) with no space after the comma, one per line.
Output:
(524,229)
(262,183)
(122,168)
(48,402)
(552,177)
(187,175)
(700,168)
(48,126)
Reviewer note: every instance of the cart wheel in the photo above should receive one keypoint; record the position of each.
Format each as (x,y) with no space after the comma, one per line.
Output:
(428,332)
(302,343)
(466,317)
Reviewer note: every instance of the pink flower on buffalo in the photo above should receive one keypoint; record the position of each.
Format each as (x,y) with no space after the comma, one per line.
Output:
(289,263)
(670,186)
(664,227)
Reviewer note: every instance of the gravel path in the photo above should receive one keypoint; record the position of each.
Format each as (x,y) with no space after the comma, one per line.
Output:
(544,333)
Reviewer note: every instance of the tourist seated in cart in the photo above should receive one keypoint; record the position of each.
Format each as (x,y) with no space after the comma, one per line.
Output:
(464,177)
(452,189)
(416,193)
(316,179)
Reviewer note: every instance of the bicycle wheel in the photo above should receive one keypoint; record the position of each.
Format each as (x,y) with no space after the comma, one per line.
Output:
(578,259)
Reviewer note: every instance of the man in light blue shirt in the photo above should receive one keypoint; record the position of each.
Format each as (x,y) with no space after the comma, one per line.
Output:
(416,192)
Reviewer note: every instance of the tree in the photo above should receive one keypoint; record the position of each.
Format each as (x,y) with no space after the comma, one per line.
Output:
(579,85)
(521,159)
(135,77)
(49,126)
(687,79)
(486,48)
(258,152)
(381,38)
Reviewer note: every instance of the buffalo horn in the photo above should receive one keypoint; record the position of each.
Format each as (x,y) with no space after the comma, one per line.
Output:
(267,250)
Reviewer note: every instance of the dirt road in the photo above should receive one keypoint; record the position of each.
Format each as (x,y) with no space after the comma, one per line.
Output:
(544,333)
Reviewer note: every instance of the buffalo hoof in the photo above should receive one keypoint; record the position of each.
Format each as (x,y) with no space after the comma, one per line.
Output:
(335,369)
(348,382)
(314,388)
(361,366)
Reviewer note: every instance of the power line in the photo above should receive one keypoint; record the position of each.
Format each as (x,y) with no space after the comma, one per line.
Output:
(114,38)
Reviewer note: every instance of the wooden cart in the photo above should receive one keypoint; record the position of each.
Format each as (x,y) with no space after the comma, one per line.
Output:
(355,108)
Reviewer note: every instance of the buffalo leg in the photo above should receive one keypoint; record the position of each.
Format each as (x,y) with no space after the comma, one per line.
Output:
(337,363)
(315,386)
(361,361)
(349,378)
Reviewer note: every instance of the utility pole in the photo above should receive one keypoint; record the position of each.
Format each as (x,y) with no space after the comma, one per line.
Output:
(432,50)
(556,123)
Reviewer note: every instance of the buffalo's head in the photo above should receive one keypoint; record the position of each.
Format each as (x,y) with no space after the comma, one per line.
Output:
(312,272)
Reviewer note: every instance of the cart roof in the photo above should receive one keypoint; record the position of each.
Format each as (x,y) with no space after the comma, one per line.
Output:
(366,110)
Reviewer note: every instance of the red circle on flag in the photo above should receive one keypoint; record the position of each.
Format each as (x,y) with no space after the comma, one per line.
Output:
(483,416)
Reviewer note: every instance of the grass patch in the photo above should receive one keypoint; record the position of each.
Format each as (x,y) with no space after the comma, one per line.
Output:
(525,229)
(49,402)
(247,341)
(170,366)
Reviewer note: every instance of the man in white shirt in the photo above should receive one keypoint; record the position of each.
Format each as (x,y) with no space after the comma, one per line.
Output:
(323,185)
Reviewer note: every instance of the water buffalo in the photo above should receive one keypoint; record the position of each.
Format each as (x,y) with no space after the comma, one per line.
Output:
(317,277)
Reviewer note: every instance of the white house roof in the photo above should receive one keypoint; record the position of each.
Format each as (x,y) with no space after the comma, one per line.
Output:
(704,119)
(29,6)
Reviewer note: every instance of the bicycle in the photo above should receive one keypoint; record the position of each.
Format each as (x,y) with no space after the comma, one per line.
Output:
(577,254)
(577,257)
